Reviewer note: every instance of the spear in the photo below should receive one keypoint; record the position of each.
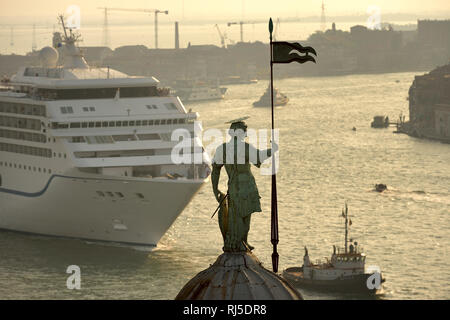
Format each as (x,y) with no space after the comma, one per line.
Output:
(274,206)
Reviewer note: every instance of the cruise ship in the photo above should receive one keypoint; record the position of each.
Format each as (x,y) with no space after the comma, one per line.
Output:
(86,152)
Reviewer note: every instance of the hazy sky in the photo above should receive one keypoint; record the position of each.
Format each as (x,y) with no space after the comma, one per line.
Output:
(207,9)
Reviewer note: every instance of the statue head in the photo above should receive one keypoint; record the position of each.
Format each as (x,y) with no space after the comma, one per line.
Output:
(238,129)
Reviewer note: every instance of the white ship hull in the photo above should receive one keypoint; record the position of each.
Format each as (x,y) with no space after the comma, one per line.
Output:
(70,206)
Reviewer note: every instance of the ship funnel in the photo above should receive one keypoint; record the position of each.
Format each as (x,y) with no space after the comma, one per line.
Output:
(177,36)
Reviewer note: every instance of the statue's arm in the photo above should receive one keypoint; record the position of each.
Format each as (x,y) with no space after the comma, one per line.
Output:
(263,155)
(215,177)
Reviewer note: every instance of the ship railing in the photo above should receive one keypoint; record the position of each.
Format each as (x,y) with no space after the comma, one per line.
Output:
(356,250)
(163,92)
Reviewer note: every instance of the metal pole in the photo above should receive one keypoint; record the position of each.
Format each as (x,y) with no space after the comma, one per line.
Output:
(156,29)
(346,227)
(274,206)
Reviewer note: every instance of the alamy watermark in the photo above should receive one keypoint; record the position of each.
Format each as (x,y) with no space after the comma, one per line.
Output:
(74,280)
(374,280)
(73,20)
(374,20)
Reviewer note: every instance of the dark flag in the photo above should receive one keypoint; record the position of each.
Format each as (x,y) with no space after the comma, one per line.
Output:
(287,52)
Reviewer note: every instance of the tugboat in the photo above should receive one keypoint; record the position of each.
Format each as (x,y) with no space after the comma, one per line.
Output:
(279,99)
(344,272)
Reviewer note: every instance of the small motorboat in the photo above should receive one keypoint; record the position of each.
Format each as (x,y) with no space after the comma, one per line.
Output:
(380,187)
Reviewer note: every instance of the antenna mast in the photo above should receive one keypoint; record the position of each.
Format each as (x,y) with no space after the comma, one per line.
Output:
(345,215)
(323,25)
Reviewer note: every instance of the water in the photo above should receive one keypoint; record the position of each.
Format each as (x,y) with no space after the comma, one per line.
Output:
(323,164)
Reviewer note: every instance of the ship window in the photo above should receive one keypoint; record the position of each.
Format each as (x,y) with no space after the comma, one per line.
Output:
(91,108)
(105,124)
(163,121)
(148,136)
(85,109)
(125,137)
(101,194)
(98,124)
(112,124)
(140,195)
(77,139)
(181,120)
(109,193)
(66,110)
(131,123)
(150,122)
(75,125)
(119,194)
(91,124)
(99,139)
(156,122)
(84,124)
(125,123)
(144,122)
(169,121)
(174,121)
(138,122)
(118,124)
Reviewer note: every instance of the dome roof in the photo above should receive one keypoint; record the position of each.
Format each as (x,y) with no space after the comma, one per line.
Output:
(48,57)
(237,276)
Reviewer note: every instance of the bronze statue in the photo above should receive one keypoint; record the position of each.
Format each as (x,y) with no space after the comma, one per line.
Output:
(242,198)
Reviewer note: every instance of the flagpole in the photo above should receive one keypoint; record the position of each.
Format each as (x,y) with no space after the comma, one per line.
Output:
(274,206)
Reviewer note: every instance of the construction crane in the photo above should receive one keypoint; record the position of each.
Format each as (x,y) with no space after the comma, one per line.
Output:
(155,11)
(11,42)
(323,24)
(223,37)
(241,24)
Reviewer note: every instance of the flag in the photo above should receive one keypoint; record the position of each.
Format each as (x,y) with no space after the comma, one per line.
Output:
(287,52)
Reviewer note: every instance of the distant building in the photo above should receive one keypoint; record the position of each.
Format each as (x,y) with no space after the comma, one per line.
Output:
(429,104)
(435,33)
